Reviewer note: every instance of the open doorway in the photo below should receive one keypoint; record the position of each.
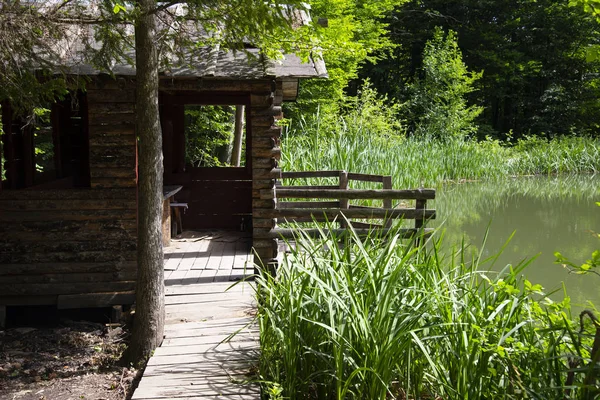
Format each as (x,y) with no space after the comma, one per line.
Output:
(206,147)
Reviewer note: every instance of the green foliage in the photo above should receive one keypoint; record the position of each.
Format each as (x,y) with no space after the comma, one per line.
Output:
(208,133)
(589,6)
(438,106)
(356,33)
(375,319)
(537,79)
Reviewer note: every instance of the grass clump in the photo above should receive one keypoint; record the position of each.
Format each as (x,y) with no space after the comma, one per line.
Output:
(378,319)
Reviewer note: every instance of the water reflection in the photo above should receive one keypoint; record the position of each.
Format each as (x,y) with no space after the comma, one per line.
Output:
(545,214)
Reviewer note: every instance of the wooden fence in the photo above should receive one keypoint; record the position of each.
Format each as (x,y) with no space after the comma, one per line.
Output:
(328,203)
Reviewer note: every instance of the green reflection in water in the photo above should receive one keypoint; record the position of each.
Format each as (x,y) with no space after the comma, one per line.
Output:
(547,214)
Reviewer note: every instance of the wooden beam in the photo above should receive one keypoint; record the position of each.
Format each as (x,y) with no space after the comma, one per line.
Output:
(316,233)
(329,213)
(409,194)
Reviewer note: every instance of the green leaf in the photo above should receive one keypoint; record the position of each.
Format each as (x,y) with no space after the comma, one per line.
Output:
(118,8)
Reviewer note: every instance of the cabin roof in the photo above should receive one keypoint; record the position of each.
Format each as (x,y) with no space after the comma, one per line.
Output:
(207,62)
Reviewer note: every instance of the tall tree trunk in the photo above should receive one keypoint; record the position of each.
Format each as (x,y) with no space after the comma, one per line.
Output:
(149,320)
(238,136)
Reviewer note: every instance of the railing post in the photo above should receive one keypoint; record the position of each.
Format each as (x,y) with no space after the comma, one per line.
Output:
(387,203)
(421,205)
(344,203)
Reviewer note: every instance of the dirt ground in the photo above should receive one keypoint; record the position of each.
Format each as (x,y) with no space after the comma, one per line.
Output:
(74,360)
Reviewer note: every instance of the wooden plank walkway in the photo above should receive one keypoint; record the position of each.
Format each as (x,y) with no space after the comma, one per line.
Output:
(198,358)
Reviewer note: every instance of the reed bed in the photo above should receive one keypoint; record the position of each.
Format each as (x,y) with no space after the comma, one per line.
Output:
(351,318)
(426,162)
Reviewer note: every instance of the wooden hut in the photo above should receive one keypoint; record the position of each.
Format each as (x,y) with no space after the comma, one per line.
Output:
(68,234)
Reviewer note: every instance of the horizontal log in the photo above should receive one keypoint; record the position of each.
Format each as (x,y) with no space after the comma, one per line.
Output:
(409,194)
(111,108)
(317,233)
(61,215)
(73,227)
(265,142)
(260,174)
(127,130)
(92,300)
(265,111)
(274,152)
(258,123)
(76,246)
(112,119)
(125,275)
(257,100)
(263,184)
(262,162)
(363,225)
(264,204)
(26,289)
(66,257)
(304,187)
(127,173)
(68,194)
(311,174)
(265,245)
(110,96)
(66,268)
(75,204)
(392,213)
(28,300)
(307,204)
(266,86)
(267,223)
(366,177)
(266,253)
(110,161)
(108,82)
(111,151)
(101,183)
(125,140)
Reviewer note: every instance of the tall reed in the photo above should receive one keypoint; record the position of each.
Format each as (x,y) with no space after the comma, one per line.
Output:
(413,162)
(380,319)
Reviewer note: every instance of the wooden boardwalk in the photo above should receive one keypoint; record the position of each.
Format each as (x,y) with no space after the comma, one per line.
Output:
(196,360)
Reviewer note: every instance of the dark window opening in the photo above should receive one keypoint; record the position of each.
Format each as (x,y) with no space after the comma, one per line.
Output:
(49,149)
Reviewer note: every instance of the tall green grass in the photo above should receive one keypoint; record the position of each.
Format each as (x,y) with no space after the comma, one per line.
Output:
(351,143)
(381,319)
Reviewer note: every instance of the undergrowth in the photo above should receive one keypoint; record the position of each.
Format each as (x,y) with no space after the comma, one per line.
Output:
(379,319)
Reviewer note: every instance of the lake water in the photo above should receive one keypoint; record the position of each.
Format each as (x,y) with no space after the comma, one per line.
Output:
(546,214)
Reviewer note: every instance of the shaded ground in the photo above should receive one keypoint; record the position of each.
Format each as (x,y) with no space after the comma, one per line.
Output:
(76,360)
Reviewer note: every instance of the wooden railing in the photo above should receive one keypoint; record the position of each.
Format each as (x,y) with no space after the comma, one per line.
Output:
(320,203)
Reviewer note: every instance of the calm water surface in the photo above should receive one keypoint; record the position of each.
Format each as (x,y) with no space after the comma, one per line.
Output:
(545,214)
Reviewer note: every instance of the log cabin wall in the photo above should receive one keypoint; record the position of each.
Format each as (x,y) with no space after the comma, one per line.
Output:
(76,247)
(266,153)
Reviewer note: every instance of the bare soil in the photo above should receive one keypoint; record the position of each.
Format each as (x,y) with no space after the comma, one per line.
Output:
(76,360)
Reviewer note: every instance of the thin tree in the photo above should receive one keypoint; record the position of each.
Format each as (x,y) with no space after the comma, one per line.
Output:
(150,300)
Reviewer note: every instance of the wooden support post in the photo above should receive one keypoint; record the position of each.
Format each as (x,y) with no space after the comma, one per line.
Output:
(421,204)
(116,314)
(344,203)
(387,203)
(2,317)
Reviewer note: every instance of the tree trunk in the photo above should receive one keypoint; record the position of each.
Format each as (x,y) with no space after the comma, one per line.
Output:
(238,136)
(149,319)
